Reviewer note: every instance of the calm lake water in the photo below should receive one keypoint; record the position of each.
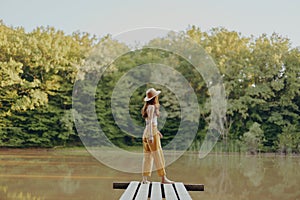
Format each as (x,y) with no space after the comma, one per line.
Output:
(77,175)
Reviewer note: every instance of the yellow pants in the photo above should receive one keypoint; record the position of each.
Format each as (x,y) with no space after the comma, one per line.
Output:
(153,151)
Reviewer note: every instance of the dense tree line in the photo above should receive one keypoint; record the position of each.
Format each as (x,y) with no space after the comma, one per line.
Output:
(261,77)
(38,70)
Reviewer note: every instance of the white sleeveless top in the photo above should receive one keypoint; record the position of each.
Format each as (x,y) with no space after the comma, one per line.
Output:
(151,119)
(152,116)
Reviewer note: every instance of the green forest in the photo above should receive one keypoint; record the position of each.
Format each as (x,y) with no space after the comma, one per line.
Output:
(261,76)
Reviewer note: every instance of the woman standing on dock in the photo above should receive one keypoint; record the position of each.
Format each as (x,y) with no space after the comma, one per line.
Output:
(151,138)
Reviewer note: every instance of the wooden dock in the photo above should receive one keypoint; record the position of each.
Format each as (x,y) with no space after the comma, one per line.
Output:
(155,191)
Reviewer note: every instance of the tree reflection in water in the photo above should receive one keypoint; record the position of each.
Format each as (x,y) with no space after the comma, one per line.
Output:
(252,167)
(69,185)
(6,194)
(250,177)
(234,177)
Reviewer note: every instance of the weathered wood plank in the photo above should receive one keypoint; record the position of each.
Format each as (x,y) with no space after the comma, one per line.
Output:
(156,193)
(182,192)
(143,192)
(189,187)
(120,185)
(194,187)
(169,192)
(130,191)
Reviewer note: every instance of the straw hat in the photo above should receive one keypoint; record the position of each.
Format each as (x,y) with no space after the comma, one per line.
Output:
(151,93)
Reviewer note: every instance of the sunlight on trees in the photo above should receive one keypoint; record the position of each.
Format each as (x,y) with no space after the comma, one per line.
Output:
(38,69)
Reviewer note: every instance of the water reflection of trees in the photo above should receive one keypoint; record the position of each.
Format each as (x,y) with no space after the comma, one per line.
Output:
(6,194)
(223,181)
(231,177)
(45,176)
(289,174)
(68,185)
(249,177)
(252,167)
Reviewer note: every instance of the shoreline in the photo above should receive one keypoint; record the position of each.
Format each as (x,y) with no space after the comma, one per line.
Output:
(84,151)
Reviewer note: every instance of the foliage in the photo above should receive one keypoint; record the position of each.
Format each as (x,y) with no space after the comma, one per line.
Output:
(38,70)
(253,139)
(289,140)
(261,77)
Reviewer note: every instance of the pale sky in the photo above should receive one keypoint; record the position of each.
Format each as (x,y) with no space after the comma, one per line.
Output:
(99,17)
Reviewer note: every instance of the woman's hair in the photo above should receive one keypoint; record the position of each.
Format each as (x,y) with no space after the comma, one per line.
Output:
(153,101)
